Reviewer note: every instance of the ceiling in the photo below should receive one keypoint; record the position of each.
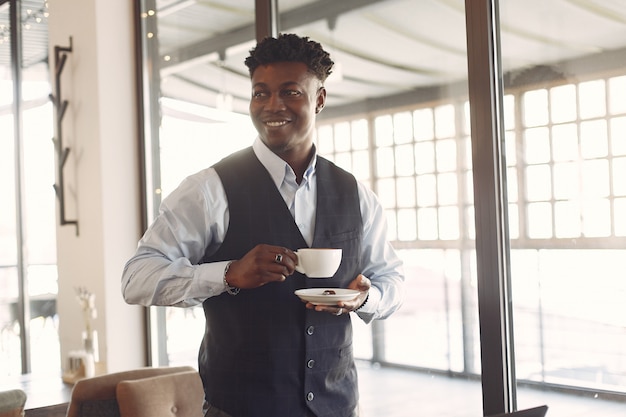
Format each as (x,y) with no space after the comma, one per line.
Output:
(34,33)
(385,48)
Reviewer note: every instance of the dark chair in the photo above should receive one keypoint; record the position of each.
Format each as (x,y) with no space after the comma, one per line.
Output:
(529,412)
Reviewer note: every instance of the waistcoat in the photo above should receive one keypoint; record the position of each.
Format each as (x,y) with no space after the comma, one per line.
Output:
(263,353)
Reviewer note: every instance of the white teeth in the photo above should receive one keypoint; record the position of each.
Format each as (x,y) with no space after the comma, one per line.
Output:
(275,124)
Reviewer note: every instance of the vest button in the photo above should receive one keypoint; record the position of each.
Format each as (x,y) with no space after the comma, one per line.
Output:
(310,363)
(310,396)
(310,330)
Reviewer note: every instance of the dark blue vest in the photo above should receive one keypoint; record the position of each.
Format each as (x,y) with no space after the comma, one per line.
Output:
(264,354)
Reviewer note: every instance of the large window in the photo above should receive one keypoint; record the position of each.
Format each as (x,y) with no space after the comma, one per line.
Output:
(28,274)
(566,157)
(565,172)
(417,160)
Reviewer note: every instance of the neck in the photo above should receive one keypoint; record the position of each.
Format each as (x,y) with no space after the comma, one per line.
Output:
(298,163)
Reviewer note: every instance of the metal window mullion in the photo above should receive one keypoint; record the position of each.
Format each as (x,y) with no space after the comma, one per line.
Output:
(266,19)
(520,149)
(377,330)
(23,302)
(492,250)
(608,115)
(467,306)
(149,144)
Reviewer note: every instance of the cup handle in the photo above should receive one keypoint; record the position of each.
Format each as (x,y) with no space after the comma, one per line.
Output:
(298,266)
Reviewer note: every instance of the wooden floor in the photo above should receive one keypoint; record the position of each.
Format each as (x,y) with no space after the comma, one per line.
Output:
(390,392)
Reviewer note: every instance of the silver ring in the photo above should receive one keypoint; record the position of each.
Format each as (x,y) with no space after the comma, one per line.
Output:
(339,312)
(278,258)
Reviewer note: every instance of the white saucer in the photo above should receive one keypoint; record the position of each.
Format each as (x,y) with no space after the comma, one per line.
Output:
(317,296)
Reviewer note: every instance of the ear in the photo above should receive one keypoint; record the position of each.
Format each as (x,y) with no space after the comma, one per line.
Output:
(320,100)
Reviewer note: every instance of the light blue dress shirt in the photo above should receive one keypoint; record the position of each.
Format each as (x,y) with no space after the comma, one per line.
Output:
(193,219)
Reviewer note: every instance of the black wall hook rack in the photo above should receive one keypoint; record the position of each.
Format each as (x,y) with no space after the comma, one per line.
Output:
(60,106)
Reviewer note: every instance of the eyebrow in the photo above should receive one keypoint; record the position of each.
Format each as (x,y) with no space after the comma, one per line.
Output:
(283,85)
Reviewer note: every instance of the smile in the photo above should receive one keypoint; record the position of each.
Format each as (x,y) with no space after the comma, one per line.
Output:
(276,124)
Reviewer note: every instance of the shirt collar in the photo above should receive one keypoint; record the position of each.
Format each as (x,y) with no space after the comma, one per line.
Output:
(277,168)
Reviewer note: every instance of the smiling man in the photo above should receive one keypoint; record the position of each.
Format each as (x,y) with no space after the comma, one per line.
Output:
(285,99)
(226,238)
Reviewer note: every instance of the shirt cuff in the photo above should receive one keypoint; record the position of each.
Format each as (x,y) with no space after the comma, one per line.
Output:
(373,299)
(211,280)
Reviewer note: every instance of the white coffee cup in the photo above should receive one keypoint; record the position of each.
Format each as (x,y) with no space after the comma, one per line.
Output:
(318,262)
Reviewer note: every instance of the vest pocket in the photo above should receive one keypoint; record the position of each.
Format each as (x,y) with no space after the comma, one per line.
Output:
(344,236)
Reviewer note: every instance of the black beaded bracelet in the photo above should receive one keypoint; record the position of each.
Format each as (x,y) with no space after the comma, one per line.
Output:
(229,289)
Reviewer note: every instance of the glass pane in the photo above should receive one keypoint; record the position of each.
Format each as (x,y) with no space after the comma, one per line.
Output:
(447,189)
(423,124)
(384,130)
(40,229)
(535,104)
(27,252)
(403,127)
(563,103)
(11,347)
(618,135)
(395,116)
(569,327)
(592,100)
(446,155)
(405,165)
(426,190)
(421,154)
(565,142)
(342,137)
(445,121)
(360,134)
(424,157)
(406,192)
(384,162)
(617,102)
(203,96)
(343,160)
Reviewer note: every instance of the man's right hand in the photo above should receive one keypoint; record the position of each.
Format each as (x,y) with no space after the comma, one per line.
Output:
(263,264)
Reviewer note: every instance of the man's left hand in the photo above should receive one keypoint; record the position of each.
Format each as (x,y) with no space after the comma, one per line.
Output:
(362,284)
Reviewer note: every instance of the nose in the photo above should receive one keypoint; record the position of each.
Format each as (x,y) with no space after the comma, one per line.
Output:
(275,103)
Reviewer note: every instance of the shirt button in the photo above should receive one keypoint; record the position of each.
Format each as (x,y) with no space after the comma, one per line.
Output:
(310,396)
(310,330)
(310,363)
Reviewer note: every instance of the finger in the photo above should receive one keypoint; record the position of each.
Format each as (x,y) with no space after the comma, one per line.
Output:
(364,282)
(284,259)
(276,275)
(286,252)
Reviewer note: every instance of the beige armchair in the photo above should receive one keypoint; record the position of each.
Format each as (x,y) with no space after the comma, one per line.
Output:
(180,394)
(97,396)
(12,403)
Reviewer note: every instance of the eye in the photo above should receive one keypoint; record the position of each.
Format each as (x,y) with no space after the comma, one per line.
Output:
(291,93)
(259,95)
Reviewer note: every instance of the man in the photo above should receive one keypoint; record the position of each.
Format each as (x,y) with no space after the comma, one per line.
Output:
(226,238)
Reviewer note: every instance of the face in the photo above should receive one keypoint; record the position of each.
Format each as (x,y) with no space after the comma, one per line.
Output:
(285,99)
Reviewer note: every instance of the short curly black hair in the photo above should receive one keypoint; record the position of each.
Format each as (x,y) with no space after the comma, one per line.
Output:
(289,47)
